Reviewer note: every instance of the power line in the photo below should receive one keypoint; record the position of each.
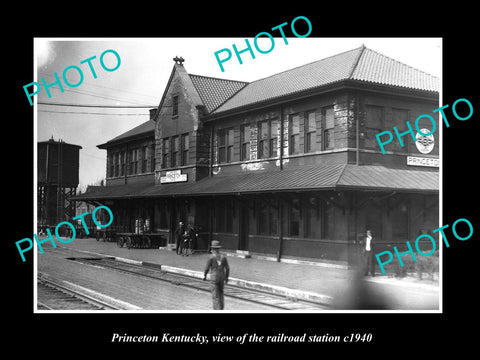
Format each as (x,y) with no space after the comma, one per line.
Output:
(89,113)
(99,106)
(89,93)
(106,87)
(82,92)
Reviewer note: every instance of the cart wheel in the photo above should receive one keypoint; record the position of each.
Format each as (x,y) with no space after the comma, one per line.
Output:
(129,242)
(120,241)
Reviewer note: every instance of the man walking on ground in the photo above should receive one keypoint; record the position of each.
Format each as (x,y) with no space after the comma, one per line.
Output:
(179,237)
(217,264)
(368,254)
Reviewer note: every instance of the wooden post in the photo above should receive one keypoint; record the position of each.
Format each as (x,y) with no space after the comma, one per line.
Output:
(212,214)
(280,230)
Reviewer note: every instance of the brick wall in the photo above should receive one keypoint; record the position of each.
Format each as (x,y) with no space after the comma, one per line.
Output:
(186,121)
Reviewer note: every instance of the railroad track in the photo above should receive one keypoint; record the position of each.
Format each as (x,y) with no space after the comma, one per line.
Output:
(54,296)
(251,295)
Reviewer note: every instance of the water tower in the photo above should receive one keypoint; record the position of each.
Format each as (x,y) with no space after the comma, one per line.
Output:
(57,181)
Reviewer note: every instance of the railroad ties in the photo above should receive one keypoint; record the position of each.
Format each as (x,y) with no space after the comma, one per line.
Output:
(275,301)
(53,296)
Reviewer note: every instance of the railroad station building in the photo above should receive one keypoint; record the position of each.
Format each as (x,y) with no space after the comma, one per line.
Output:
(287,166)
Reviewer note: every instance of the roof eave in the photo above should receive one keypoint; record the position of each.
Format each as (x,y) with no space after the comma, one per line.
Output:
(142,136)
(420,94)
(335,86)
(379,188)
(277,100)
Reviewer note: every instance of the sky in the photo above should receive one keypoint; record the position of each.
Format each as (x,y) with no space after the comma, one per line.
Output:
(145,67)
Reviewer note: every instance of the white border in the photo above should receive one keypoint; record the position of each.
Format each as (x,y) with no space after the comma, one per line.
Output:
(35,253)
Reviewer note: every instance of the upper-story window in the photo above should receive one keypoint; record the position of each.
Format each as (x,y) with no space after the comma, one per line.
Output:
(144,159)
(310,131)
(116,160)
(267,138)
(245,142)
(165,152)
(152,157)
(185,143)
(174,105)
(134,154)
(221,144)
(175,148)
(122,163)
(328,116)
(294,131)
(225,138)
(110,168)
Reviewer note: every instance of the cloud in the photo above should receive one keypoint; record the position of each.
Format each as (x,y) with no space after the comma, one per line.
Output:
(44,51)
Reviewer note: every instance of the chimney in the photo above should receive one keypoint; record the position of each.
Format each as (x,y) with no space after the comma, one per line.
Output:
(153,111)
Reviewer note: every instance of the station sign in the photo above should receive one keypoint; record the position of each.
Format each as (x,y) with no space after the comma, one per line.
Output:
(423,161)
(173,177)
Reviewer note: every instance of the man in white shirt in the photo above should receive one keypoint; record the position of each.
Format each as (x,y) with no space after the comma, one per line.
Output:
(368,253)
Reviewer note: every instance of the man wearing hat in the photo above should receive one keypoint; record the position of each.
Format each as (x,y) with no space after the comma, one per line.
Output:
(369,264)
(217,264)
(178,237)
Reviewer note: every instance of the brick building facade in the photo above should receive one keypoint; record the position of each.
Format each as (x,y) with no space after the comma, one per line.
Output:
(285,166)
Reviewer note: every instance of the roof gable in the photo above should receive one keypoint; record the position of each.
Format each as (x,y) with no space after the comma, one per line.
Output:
(190,90)
(214,91)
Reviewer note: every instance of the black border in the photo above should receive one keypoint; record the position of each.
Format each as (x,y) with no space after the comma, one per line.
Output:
(402,333)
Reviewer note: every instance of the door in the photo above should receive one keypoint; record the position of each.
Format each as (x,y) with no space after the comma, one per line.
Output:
(173,220)
(243,224)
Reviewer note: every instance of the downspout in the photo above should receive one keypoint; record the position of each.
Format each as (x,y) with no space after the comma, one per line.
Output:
(357,132)
(212,215)
(356,245)
(210,171)
(125,171)
(280,232)
(281,138)
(357,135)
(47,185)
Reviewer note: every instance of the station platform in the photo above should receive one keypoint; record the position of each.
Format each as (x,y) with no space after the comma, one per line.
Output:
(329,283)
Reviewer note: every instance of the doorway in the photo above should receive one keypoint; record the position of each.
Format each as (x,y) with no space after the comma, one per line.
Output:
(243,224)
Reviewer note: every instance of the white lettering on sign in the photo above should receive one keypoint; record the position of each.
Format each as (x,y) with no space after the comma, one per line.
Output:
(173,176)
(422,161)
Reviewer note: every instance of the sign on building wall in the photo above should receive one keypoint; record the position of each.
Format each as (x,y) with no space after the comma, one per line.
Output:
(425,144)
(173,176)
(422,161)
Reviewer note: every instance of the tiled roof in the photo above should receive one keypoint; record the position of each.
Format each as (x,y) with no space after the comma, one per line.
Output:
(146,128)
(324,176)
(383,178)
(293,179)
(215,91)
(359,64)
(377,68)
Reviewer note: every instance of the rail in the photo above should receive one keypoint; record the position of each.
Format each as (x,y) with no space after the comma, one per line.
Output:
(252,295)
(51,295)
